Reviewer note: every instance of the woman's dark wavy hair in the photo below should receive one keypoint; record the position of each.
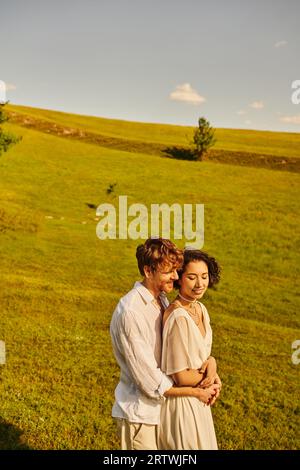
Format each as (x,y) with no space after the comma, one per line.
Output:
(214,269)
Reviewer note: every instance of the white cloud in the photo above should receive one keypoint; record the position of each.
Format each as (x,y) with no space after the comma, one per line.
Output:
(257,105)
(291,119)
(280,43)
(186,93)
(248,122)
(241,112)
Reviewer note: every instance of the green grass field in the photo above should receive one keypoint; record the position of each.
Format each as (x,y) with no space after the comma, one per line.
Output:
(272,143)
(60,283)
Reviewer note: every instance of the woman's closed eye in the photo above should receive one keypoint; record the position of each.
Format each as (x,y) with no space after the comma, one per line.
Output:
(193,278)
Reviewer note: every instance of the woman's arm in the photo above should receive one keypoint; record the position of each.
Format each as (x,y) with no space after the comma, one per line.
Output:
(194,377)
(188,377)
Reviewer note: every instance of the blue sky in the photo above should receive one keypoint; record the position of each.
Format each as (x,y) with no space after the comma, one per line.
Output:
(168,61)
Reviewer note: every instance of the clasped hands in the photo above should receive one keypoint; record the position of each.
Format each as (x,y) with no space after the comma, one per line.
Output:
(211,381)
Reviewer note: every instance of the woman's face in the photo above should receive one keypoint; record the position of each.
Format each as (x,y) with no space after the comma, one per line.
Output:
(194,280)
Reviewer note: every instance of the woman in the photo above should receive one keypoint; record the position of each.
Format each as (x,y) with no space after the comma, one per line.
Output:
(186,422)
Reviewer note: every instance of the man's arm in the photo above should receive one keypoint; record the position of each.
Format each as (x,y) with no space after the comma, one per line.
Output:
(206,395)
(140,360)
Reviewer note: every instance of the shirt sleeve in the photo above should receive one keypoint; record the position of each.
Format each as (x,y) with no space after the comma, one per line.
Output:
(176,347)
(140,359)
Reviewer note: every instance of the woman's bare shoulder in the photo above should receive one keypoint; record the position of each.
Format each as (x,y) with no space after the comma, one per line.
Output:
(169,310)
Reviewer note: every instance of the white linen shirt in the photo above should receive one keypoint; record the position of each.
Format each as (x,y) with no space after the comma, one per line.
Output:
(136,338)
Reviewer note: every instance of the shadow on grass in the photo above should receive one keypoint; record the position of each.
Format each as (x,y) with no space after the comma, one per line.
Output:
(179,153)
(10,437)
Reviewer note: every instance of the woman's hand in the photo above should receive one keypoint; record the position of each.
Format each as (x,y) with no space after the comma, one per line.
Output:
(206,395)
(219,383)
(209,368)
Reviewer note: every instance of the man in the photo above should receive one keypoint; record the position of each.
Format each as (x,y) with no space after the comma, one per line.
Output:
(136,337)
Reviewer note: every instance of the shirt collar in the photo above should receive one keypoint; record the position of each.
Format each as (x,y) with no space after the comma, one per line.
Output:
(146,294)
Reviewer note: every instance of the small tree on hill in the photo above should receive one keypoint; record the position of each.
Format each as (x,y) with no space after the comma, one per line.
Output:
(204,137)
(6,139)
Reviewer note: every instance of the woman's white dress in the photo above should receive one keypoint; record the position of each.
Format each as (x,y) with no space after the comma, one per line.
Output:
(186,422)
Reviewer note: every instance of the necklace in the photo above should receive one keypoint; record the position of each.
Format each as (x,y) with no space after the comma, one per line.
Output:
(193,313)
(187,300)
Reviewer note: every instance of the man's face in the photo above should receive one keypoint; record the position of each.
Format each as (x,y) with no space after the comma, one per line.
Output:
(162,280)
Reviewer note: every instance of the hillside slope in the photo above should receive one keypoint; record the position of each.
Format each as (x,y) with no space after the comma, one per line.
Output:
(250,148)
(61,284)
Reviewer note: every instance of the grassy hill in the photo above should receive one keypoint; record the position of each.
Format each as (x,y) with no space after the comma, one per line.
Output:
(61,283)
(233,146)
